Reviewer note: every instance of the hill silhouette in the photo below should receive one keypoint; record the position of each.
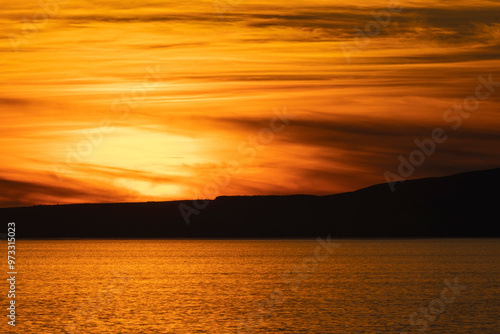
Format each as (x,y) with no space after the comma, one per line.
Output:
(461,205)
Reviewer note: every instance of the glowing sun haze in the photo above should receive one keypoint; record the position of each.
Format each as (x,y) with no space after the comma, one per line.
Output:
(184,88)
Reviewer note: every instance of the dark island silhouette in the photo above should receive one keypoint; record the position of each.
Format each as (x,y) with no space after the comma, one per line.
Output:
(461,205)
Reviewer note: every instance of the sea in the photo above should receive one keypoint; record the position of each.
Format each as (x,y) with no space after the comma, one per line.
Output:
(318,285)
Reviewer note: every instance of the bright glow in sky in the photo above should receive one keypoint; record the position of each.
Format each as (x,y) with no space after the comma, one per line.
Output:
(185,88)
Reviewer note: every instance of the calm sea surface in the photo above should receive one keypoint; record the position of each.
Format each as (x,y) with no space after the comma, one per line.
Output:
(166,286)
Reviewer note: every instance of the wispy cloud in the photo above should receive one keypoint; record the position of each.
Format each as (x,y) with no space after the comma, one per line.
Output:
(223,79)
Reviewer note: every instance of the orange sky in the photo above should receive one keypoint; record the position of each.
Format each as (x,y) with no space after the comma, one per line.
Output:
(184,88)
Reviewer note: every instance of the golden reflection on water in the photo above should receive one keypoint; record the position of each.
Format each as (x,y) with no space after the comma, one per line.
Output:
(221,286)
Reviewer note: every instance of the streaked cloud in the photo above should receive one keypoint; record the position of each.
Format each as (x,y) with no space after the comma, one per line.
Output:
(221,81)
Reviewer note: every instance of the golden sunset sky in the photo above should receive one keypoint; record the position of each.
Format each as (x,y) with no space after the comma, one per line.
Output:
(186,85)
